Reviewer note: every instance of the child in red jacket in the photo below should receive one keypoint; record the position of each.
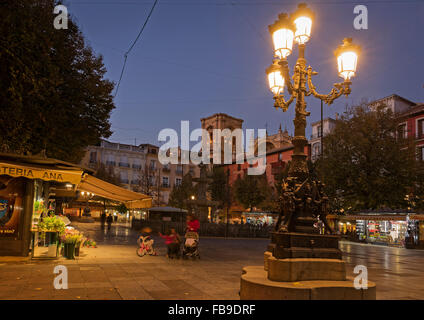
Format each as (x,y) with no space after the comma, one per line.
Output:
(172,241)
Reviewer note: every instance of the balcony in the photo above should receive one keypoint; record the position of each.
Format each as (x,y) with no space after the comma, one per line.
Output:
(124,181)
(124,164)
(316,136)
(136,166)
(166,168)
(165,185)
(111,163)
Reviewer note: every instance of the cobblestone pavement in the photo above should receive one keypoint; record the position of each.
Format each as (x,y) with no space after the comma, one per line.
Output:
(114,271)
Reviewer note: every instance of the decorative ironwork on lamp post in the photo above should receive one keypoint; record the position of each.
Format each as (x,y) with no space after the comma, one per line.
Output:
(285,31)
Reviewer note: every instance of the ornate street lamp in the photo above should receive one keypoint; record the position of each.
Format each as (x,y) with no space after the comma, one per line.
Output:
(302,262)
(302,210)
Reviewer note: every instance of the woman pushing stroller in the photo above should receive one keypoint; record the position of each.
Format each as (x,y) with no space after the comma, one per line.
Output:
(191,245)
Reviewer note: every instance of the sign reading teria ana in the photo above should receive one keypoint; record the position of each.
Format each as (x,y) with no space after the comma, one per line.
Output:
(37,173)
(221,140)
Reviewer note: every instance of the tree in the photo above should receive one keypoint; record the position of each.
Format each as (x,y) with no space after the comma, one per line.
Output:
(106,173)
(181,194)
(149,182)
(122,208)
(53,94)
(365,163)
(251,190)
(219,187)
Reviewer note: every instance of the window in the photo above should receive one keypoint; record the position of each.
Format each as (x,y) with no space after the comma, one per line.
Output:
(420,128)
(238,167)
(153,164)
(319,133)
(165,182)
(178,181)
(179,169)
(152,180)
(136,164)
(402,131)
(124,162)
(420,153)
(110,160)
(280,157)
(124,177)
(93,156)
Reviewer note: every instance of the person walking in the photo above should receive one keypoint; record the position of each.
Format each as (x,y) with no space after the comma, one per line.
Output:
(103,220)
(109,221)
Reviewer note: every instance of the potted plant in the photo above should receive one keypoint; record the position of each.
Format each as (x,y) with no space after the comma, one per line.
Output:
(51,228)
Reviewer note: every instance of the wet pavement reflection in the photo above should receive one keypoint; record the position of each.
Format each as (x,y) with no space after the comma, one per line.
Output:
(114,271)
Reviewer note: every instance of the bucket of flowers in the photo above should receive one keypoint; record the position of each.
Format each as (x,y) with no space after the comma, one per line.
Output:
(71,240)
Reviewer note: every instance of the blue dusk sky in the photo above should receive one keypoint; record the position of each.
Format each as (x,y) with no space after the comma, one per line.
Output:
(200,57)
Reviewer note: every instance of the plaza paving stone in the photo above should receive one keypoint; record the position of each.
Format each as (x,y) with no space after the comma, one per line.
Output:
(114,271)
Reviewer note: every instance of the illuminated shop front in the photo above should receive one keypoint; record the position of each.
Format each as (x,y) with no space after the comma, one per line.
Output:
(383,232)
(27,189)
(398,230)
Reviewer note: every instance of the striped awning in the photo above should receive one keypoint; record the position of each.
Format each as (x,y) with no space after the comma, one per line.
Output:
(133,200)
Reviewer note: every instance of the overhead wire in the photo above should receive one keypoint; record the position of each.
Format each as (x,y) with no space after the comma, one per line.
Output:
(132,46)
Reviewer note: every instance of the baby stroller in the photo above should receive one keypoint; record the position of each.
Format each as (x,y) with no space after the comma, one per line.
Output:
(191,245)
(145,246)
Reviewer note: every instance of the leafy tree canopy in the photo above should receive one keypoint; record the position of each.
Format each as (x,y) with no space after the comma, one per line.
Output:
(366,164)
(53,93)
(252,190)
(181,194)
(219,189)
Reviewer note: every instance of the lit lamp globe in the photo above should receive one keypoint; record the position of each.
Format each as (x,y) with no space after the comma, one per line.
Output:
(282,32)
(347,58)
(302,19)
(275,79)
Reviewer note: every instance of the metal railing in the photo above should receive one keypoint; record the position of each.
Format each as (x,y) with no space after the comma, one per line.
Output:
(207,229)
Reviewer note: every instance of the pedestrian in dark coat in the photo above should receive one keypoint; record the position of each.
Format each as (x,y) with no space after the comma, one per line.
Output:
(109,221)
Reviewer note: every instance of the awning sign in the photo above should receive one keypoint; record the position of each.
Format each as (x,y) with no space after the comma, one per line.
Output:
(13,170)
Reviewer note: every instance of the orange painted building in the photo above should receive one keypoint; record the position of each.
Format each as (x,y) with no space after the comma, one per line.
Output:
(276,160)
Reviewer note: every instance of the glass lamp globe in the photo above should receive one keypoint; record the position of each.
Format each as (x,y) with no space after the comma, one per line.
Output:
(302,19)
(282,32)
(347,59)
(275,79)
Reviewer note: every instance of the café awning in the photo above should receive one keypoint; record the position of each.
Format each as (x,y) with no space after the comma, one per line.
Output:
(133,200)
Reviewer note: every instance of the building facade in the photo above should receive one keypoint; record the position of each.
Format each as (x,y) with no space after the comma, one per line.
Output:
(139,168)
(318,131)
(221,121)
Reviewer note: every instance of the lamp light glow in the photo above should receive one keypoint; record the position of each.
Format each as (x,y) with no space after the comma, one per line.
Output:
(275,79)
(347,59)
(282,32)
(302,19)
